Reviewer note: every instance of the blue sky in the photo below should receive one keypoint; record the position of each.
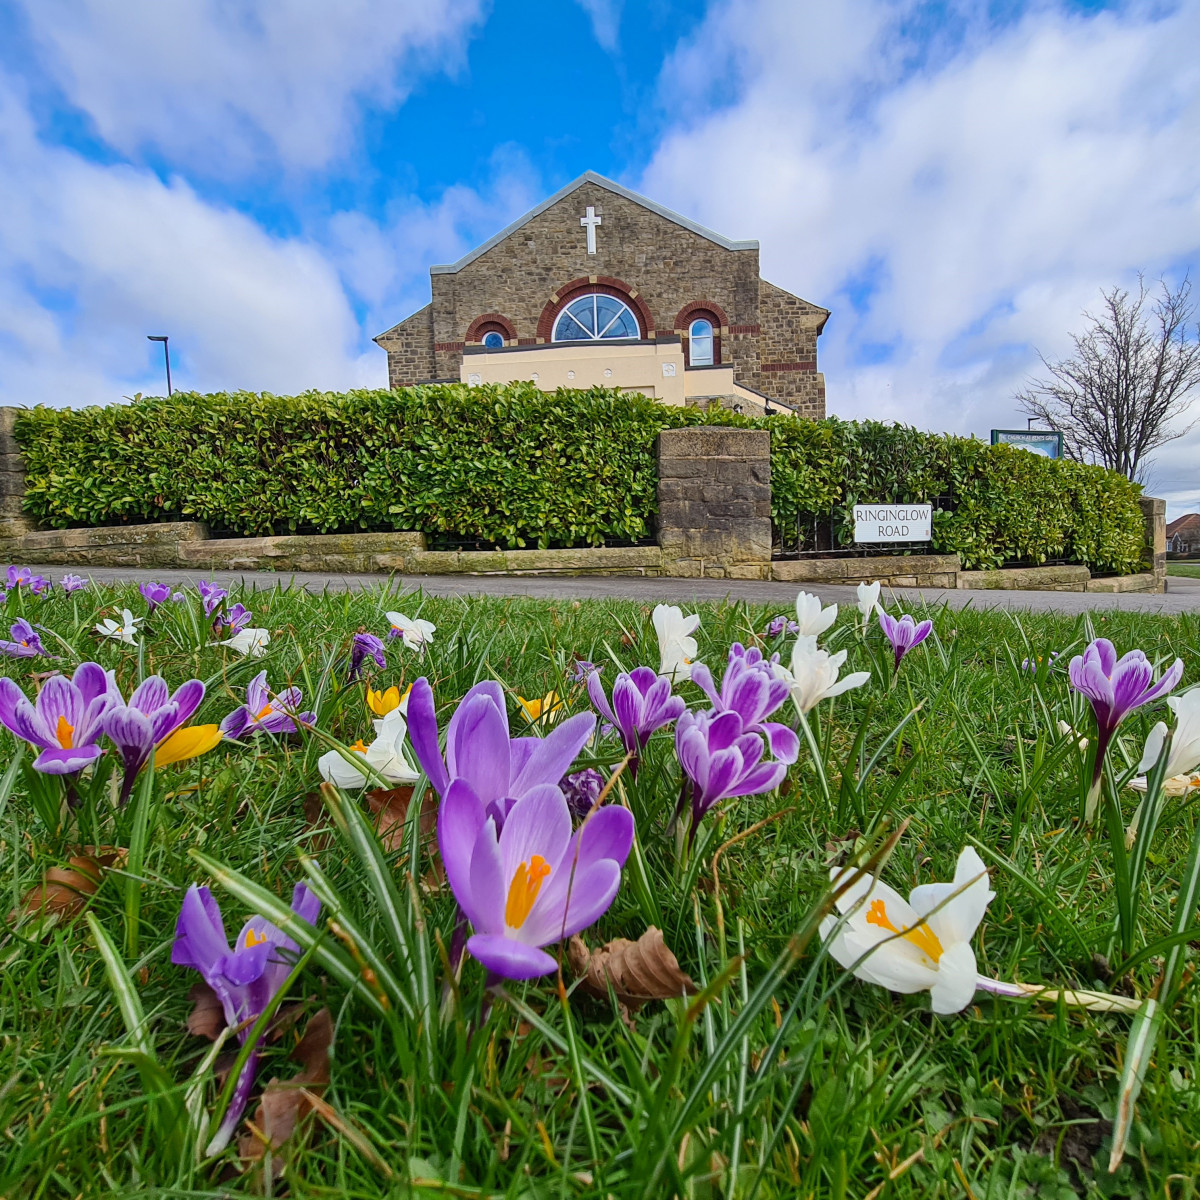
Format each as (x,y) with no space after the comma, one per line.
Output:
(269,182)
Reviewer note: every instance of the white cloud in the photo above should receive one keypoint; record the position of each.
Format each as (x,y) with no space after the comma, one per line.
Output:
(960,202)
(94,257)
(605,16)
(239,85)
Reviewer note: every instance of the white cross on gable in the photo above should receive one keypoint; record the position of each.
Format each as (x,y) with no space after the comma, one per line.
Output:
(590,221)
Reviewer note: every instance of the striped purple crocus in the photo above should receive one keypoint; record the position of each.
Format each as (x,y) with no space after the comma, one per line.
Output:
(150,717)
(267,712)
(66,720)
(752,688)
(720,761)
(244,978)
(211,594)
(641,703)
(365,646)
(1115,687)
(904,633)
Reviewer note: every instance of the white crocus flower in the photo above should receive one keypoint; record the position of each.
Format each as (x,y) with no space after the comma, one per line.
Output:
(814,675)
(414,632)
(249,642)
(677,647)
(868,599)
(124,630)
(812,618)
(1183,759)
(922,944)
(386,754)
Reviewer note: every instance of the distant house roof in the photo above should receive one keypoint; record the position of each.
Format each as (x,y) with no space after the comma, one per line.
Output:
(616,189)
(1188,521)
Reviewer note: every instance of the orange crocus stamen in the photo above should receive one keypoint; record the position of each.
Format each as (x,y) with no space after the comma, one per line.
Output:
(258,716)
(64,732)
(359,747)
(254,939)
(523,890)
(921,936)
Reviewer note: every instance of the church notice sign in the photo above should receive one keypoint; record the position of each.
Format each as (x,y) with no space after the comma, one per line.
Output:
(893,522)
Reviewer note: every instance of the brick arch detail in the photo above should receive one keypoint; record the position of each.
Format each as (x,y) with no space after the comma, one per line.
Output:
(488,323)
(604,284)
(701,308)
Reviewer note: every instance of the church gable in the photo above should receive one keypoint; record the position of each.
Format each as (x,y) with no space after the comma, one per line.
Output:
(597,247)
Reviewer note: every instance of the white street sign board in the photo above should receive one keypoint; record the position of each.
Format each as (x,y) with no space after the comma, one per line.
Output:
(893,522)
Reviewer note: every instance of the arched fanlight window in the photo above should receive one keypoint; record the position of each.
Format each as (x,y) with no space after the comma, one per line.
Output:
(493,340)
(595,317)
(700,343)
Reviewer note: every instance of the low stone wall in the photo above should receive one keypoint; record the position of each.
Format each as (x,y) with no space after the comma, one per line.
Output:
(1036,579)
(897,570)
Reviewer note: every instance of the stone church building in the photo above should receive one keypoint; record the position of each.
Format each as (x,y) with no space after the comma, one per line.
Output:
(600,286)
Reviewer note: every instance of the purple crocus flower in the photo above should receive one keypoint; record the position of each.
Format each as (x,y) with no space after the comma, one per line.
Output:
(904,633)
(211,595)
(266,712)
(752,690)
(582,789)
(66,720)
(499,769)
(72,583)
(641,703)
(781,625)
(25,641)
(151,716)
(364,646)
(1115,687)
(583,669)
(720,760)
(155,594)
(245,978)
(532,882)
(23,577)
(234,619)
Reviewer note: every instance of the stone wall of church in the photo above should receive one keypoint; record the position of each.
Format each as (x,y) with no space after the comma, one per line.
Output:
(410,350)
(787,350)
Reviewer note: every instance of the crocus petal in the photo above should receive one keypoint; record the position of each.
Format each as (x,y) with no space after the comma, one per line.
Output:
(508,958)
(783,741)
(200,940)
(66,762)
(956,977)
(477,747)
(423,733)
(186,743)
(966,900)
(589,893)
(459,824)
(538,823)
(484,898)
(549,762)
(595,690)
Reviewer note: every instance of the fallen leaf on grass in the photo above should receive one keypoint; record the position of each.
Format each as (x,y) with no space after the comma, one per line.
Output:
(65,891)
(285,1103)
(207,1017)
(389,807)
(638,971)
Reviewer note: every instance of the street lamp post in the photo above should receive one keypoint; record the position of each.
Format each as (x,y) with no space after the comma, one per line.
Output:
(162,337)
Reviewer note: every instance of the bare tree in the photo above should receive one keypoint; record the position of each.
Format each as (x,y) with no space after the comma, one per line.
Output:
(1122,393)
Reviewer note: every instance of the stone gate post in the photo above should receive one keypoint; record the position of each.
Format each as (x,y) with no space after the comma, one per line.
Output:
(714,502)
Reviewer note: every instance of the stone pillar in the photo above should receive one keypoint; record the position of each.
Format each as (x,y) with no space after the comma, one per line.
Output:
(13,522)
(714,502)
(1154,512)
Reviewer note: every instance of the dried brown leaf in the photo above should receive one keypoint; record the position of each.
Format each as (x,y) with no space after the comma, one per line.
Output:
(207,1017)
(389,807)
(65,891)
(284,1103)
(638,971)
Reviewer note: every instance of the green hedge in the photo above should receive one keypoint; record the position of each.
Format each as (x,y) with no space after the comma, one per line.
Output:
(512,466)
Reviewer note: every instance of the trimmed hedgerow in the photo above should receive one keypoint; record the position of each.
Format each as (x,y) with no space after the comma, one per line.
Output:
(512,466)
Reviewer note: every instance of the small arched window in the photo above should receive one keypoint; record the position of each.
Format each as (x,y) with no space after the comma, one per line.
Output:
(700,343)
(493,340)
(595,317)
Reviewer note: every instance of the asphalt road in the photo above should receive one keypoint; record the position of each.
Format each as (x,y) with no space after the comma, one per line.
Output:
(1183,595)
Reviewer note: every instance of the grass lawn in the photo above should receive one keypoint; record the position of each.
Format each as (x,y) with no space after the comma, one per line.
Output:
(783,1076)
(1188,570)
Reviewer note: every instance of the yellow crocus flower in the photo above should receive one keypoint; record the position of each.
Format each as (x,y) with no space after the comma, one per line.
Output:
(189,742)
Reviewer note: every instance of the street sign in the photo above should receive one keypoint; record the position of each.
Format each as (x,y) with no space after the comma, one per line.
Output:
(1048,442)
(893,522)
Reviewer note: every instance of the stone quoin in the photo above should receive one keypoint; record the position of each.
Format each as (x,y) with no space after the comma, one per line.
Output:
(600,287)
